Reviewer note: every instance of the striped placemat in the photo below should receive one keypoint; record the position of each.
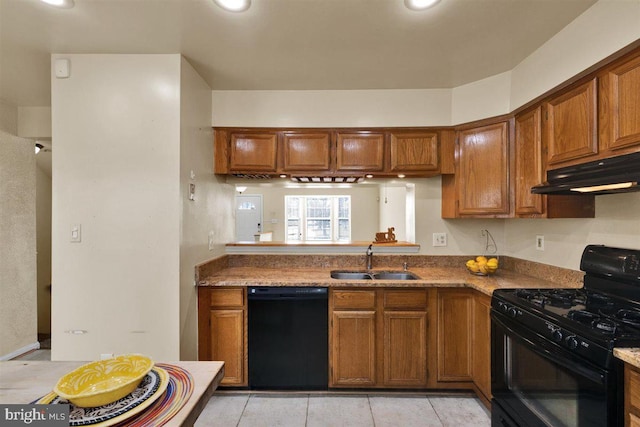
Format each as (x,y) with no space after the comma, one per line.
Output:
(179,390)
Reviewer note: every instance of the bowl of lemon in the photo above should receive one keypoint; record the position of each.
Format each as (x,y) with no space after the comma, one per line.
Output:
(482,266)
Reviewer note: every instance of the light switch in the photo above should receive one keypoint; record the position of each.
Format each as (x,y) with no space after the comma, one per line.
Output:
(76,233)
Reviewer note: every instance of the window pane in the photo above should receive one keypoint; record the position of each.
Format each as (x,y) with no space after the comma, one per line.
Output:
(318,229)
(318,207)
(344,207)
(293,229)
(293,207)
(344,229)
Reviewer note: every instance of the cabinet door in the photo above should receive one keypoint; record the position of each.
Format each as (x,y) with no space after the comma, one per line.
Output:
(631,395)
(353,348)
(227,344)
(529,168)
(405,348)
(414,151)
(306,151)
(253,152)
(481,355)
(620,107)
(360,152)
(483,181)
(571,126)
(454,335)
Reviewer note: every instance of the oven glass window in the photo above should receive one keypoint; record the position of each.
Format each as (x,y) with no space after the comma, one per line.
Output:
(558,396)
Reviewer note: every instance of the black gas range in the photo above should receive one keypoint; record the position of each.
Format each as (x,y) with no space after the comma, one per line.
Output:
(552,349)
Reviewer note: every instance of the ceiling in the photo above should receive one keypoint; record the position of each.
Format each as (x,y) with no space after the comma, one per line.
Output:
(284,44)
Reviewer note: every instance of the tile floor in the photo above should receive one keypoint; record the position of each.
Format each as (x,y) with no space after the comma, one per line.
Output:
(244,409)
(310,410)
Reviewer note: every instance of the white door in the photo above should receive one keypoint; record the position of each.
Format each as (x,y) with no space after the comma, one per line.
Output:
(248,217)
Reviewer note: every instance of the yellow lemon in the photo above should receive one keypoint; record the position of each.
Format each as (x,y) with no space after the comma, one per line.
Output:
(483,268)
(473,267)
(481,259)
(492,263)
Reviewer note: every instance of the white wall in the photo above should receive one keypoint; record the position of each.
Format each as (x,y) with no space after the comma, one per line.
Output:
(18,330)
(478,100)
(34,122)
(116,171)
(212,208)
(601,30)
(8,117)
(393,210)
(332,108)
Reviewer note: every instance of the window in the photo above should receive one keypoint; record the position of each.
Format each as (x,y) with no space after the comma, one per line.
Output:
(318,218)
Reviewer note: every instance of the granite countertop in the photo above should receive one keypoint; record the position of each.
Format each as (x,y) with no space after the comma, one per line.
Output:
(628,355)
(429,277)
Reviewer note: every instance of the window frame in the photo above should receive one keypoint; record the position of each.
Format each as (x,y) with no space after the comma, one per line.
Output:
(303,218)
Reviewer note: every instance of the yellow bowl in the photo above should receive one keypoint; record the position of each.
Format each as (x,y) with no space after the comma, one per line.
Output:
(102,382)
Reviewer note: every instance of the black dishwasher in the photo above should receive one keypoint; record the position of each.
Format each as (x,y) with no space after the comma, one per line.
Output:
(288,338)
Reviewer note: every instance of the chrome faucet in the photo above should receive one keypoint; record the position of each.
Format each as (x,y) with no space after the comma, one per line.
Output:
(370,257)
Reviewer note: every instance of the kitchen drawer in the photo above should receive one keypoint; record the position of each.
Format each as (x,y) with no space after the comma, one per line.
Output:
(405,299)
(354,299)
(227,297)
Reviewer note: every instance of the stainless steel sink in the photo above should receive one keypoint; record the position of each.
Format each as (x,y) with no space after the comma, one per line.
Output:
(351,275)
(373,275)
(395,275)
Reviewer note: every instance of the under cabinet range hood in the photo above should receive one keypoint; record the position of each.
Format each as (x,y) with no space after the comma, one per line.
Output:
(619,174)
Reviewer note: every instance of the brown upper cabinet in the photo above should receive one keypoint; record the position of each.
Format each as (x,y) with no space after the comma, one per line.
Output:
(619,91)
(306,151)
(253,152)
(529,171)
(480,185)
(414,151)
(360,151)
(529,166)
(328,152)
(570,126)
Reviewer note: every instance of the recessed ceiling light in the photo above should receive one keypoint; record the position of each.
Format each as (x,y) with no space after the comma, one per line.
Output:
(234,5)
(420,4)
(63,4)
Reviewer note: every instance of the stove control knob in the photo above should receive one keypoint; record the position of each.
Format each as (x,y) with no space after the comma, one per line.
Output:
(572,342)
(513,312)
(557,335)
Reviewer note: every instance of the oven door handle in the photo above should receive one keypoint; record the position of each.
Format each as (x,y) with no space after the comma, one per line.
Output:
(549,351)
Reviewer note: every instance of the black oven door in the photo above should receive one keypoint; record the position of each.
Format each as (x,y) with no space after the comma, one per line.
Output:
(537,383)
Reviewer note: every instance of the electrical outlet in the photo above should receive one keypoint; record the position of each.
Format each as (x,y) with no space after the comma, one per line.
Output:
(439,239)
(540,242)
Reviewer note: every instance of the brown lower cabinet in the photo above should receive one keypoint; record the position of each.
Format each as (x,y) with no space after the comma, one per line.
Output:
(222,331)
(481,347)
(378,338)
(631,396)
(409,338)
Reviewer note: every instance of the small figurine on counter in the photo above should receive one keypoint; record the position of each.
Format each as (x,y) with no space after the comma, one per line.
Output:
(388,237)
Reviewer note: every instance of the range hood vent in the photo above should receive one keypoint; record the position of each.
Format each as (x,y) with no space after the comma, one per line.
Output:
(327,179)
(255,176)
(619,174)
